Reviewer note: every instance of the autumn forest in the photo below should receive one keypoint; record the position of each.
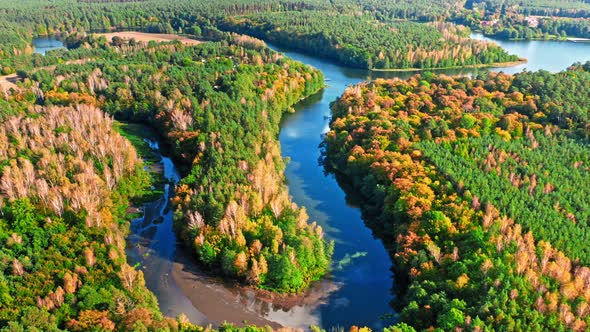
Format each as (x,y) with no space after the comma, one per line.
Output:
(477,186)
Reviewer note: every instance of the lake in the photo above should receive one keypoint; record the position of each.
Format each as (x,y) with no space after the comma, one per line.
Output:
(550,55)
(43,45)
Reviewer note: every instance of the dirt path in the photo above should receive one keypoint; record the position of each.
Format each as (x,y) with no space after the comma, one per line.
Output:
(8,82)
(147,37)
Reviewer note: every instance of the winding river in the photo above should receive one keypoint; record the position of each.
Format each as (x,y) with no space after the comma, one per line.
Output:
(365,292)
(360,290)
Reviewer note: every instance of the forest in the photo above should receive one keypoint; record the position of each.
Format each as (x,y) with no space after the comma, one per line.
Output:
(480,186)
(20,21)
(218,106)
(68,178)
(485,214)
(567,8)
(534,19)
(370,35)
(64,221)
(365,43)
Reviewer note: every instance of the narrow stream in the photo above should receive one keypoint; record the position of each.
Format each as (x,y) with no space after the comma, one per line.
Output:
(153,246)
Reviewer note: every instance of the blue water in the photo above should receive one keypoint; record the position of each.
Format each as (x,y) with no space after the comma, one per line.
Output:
(365,292)
(552,56)
(365,284)
(43,45)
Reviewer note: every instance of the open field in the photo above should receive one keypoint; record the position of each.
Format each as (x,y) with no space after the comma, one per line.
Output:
(147,37)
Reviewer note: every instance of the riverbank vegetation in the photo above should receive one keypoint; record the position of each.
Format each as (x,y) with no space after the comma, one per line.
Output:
(481,182)
(67,178)
(218,106)
(361,41)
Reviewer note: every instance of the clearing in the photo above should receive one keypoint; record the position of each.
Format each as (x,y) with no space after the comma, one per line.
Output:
(147,37)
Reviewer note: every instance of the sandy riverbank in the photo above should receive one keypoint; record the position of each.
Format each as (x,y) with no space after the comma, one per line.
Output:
(578,40)
(147,37)
(209,296)
(223,301)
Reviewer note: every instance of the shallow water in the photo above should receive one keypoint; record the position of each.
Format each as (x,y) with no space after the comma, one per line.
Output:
(153,246)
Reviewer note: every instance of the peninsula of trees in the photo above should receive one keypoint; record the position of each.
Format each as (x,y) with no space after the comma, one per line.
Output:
(371,36)
(480,185)
(363,42)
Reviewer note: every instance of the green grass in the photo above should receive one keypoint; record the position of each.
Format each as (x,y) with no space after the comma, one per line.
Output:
(137,134)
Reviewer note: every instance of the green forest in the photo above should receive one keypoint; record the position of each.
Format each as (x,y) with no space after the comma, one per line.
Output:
(65,194)
(370,35)
(479,186)
(361,41)
(482,184)
(532,19)
(351,32)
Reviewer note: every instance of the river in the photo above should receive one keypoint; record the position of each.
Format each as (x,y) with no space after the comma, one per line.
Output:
(360,288)
(152,245)
(359,291)
(365,293)
(550,55)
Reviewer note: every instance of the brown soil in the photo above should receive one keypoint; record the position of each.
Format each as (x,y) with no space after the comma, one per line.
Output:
(147,37)
(7,82)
